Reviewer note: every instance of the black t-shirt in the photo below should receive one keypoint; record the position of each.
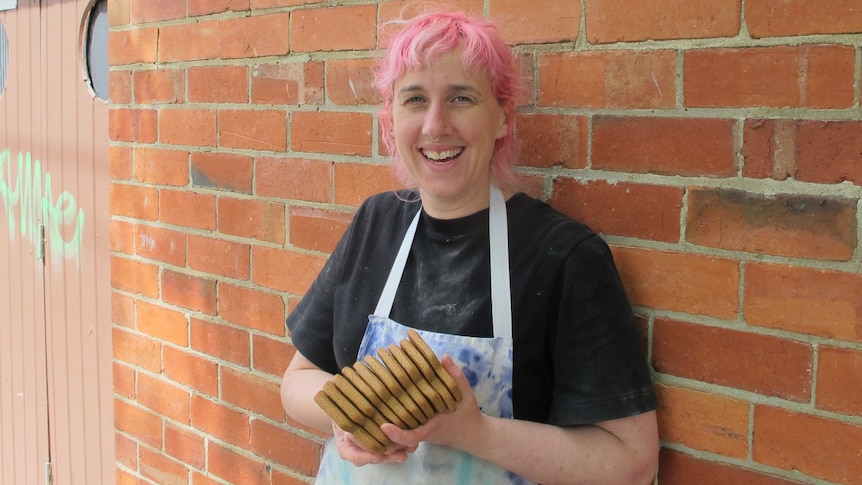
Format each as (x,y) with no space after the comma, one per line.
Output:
(577,355)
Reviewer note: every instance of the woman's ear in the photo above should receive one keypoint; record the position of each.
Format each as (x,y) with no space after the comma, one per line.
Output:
(503,126)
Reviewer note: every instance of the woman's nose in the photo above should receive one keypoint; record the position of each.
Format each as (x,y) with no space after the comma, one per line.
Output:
(436,121)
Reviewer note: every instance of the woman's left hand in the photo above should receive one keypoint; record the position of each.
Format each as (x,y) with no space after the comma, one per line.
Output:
(349,449)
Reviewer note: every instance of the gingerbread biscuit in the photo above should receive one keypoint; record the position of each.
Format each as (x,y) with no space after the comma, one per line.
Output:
(395,388)
(432,359)
(350,374)
(418,378)
(428,372)
(337,415)
(383,392)
(403,378)
(355,415)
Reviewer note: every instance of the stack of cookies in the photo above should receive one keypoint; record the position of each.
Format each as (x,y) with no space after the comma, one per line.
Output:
(405,387)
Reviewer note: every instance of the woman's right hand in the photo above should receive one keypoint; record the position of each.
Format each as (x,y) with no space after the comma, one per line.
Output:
(350,450)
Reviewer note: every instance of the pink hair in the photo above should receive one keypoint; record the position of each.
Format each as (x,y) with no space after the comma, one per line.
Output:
(421,43)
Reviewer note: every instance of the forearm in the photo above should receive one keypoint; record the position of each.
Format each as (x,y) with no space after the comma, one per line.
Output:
(298,387)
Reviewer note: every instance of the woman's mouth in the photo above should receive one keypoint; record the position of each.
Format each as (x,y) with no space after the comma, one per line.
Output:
(442,156)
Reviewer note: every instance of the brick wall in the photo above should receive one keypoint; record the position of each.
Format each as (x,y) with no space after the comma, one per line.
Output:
(716,144)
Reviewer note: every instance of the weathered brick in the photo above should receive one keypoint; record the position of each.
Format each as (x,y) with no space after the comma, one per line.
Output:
(331,132)
(219,257)
(351,82)
(783,225)
(135,201)
(122,310)
(143,11)
(118,13)
(292,178)
(288,83)
(255,36)
(136,350)
(611,21)
(352,27)
(124,378)
(286,271)
(689,283)
(221,341)
(138,422)
(206,7)
(254,219)
(396,10)
(767,18)
(703,421)
(155,166)
(218,84)
(165,324)
(122,237)
(216,419)
(188,209)
(839,380)
(317,229)
(135,277)
(252,308)
(814,76)
(537,21)
(219,170)
(126,452)
(164,398)
(234,467)
(160,244)
(133,46)
(622,208)
(196,127)
(189,42)
(191,370)
(769,148)
(676,467)
(120,162)
(192,292)
(819,447)
(552,140)
(252,393)
(133,125)
(186,446)
(355,182)
(253,129)
(766,365)
(608,79)
(271,355)
(804,300)
(667,146)
(279,445)
(257,4)
(120,87)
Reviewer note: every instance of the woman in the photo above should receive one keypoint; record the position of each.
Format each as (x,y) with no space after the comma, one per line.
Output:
(525,303)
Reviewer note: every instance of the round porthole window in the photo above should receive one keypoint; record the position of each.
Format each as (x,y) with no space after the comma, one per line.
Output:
(96,48)
(4,57)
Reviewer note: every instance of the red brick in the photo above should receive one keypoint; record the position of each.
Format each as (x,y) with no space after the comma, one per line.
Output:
(626,209)
(155,166)
(253,129)
(317,229)
(767,18)
(193,371)
(354,182)
(766,365)
(192,292)
(816,446)
(158,86)
(186,446)
(133,125)
(122,477)
(270,355)
(126,451)
(138,422)
(552,140)
(189,42)
(608,79)
(206,7)
(804,300)
(135,277)
(536,22)
(120,163)
(164,398)
(259,4)
(396,10)
(162,323)
(160,244)
(279,445)
(829,151)
(122,237)
(221,341)
(252,393)
(134,201)
(222,423)
(225,171)
(703,421)
(219,257)
(162,469)
(797,226)
(334,28)
(254,219)
(133,46)
(667,146)
(839,380)
(252,308)
(118,13)
(187,209)
(611,21)
(234,467)
(196,127)
(331,132)
(816,76)
(287,83)
(284,270)
(689,283)
(122,310)
(351,82)
(120,87)
(256,36)
(293,178)
(124,378)
(218,84)
(677,468)
(769,148)
(137,350)
(282,478)
(144,11)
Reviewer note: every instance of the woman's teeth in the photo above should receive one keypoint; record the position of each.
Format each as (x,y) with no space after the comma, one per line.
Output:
(442,156)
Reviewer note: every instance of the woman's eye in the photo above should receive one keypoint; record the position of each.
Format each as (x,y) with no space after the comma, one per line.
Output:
(462,99)
(414,100)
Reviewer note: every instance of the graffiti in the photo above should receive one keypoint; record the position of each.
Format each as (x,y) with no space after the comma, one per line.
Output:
(62,220)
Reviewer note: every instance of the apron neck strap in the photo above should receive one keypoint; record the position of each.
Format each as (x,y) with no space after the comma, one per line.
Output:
(501,300)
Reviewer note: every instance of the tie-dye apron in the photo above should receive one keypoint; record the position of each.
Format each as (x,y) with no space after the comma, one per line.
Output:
(487,363)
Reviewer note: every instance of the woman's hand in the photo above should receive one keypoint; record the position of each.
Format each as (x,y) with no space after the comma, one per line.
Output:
(350,450)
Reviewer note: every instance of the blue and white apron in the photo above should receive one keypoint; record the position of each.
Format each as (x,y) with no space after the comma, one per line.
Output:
(487,363)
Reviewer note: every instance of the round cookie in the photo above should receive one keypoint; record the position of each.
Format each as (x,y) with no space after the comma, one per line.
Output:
(354,413)
(432,359)
(372,397)
(395,388)
(418,378)
(428,372)
(403,378)
(358,400)
(337,415)
(383,392)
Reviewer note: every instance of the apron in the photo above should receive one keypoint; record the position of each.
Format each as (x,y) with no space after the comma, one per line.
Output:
(487,363)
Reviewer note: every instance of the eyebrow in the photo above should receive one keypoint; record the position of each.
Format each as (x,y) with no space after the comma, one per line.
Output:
(453,88)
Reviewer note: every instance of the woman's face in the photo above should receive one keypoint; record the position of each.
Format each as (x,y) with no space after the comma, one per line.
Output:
(445,123)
